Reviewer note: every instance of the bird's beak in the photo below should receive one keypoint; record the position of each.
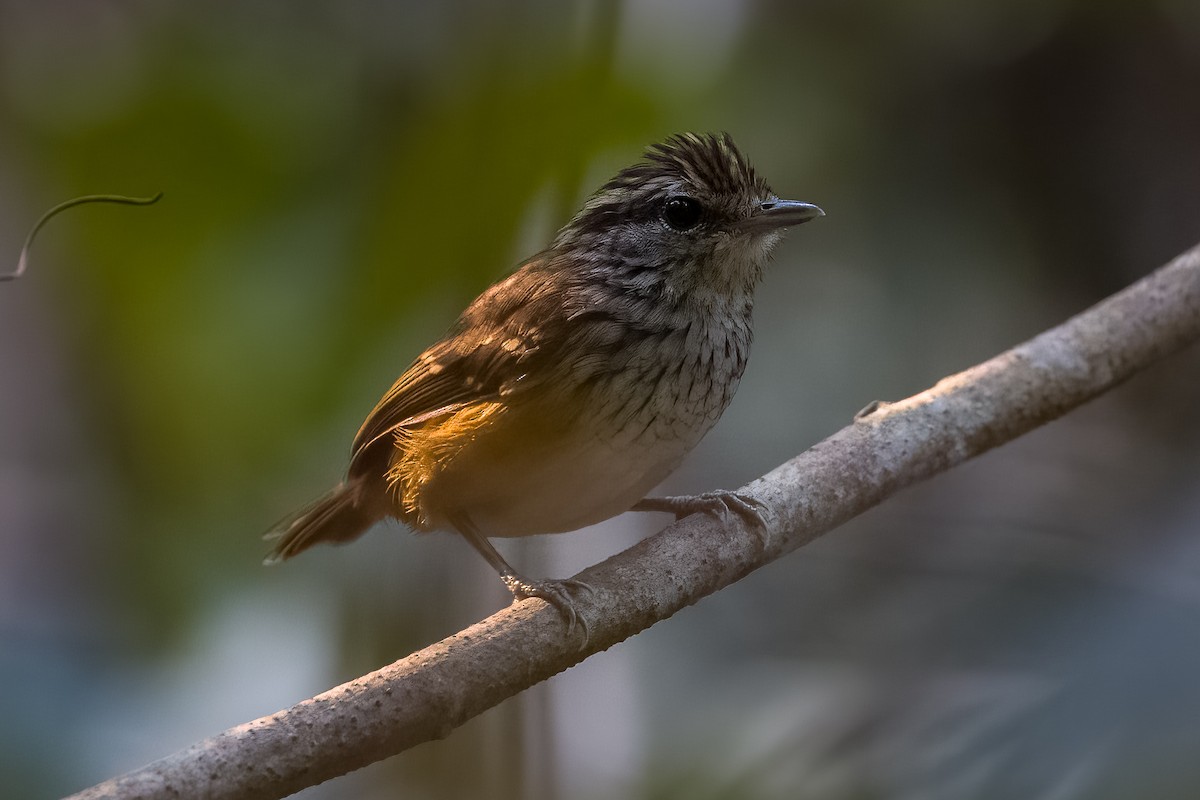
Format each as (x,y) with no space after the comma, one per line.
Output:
(776,213)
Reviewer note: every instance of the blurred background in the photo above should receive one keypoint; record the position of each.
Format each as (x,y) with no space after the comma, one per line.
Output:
(341,179)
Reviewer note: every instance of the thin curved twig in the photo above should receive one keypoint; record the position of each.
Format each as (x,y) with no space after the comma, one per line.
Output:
(22,262)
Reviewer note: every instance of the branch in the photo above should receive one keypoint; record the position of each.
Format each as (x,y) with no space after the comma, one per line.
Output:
(429,693)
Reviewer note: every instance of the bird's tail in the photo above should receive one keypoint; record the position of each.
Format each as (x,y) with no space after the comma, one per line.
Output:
(340,516)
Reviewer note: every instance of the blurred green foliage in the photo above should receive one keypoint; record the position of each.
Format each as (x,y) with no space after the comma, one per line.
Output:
(341,179)
(314,202)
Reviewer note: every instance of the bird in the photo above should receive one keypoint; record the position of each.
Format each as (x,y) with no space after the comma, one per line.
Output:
(569,389)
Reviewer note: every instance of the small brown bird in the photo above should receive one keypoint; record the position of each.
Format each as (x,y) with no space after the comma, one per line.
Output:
(572,387)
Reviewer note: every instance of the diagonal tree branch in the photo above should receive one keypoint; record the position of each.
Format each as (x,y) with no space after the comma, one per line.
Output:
(429,693)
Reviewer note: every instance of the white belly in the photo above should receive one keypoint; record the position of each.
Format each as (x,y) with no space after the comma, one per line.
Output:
(534,488)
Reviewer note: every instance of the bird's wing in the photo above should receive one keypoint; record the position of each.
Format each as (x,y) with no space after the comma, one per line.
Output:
(491,351)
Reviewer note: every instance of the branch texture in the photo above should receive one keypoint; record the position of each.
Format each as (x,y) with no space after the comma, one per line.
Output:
(429,693)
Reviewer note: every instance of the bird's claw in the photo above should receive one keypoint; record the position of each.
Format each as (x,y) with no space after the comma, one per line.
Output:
(558,594)
(720,504)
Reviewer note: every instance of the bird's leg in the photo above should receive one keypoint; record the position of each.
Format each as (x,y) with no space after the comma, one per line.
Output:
(555,592)
(719,503)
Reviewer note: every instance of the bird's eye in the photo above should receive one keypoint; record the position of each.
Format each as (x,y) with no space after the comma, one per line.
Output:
(682,213)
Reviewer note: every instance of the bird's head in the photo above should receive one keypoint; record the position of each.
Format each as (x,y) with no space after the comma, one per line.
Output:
(694,206)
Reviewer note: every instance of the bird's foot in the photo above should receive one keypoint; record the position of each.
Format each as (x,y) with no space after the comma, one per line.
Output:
(720,504)
(555,592)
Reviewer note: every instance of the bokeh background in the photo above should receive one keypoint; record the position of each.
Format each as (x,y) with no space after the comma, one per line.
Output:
(342,178)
